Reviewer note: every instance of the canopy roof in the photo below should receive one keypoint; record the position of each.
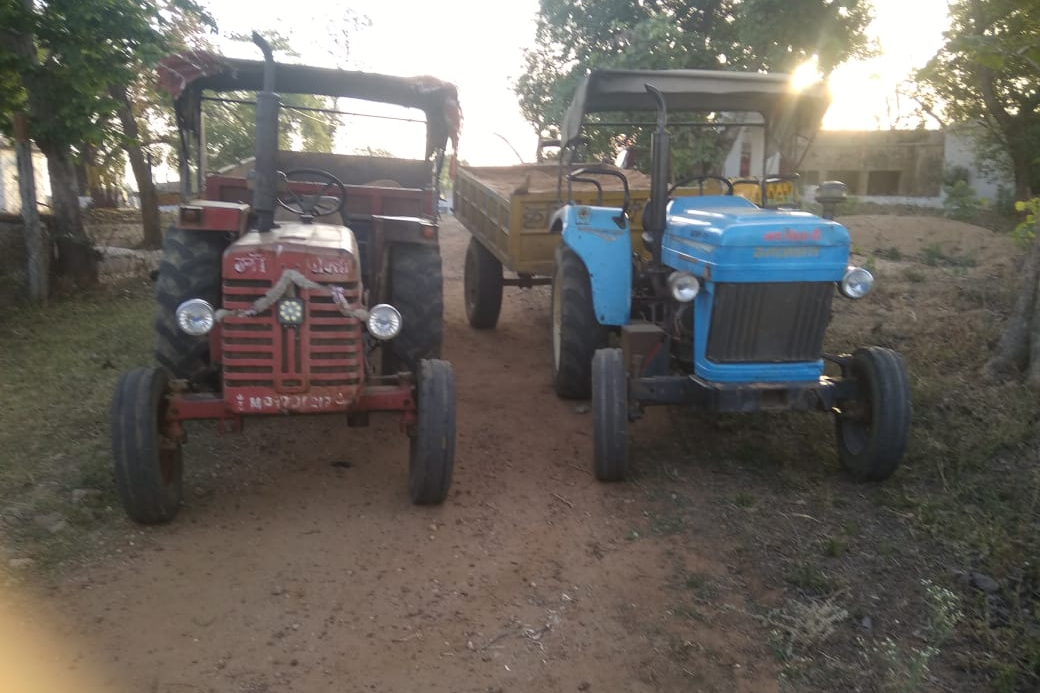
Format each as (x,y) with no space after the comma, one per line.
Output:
(787,111)
(186,75)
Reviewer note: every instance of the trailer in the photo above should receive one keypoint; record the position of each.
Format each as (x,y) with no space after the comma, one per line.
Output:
(508,212)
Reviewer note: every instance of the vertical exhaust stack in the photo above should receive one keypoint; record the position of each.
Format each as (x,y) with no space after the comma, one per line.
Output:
(660,170)
(267,105)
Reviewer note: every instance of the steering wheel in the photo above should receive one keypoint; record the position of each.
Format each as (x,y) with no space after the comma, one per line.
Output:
(318,204)
(580,176)
(700,180)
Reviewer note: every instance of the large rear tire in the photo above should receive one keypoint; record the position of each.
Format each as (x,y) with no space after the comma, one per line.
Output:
(872,431)
(482,284)
(576,334)
(190,268)
(417,291)
(432,448)
(609,415)
(148,466)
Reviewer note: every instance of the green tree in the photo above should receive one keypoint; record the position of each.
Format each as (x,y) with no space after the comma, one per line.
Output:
(58,62)
(231,126)
(988,72)
(143,118)
(575,37)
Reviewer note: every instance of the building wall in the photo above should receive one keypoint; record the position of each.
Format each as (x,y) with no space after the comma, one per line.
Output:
(751,145)
(883,163)
(10,198)
(987,182)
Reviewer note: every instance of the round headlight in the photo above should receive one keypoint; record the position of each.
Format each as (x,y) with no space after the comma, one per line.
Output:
(195,317)
(684,286)
(856,283)
(384,321)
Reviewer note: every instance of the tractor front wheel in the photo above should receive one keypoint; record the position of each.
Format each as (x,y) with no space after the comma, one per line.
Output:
(148,466)
(872,430)
(609,415)
(576,334)
(482,286)
(432,449)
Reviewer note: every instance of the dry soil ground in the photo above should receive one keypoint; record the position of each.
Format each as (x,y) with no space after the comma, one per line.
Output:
(297,563)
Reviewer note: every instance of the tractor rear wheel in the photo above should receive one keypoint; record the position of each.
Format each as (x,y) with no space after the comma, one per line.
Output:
(576,334)
(872,430)
(417,291)
(482,284)
(190,268)
(148,466)
(432,448)
(609,415)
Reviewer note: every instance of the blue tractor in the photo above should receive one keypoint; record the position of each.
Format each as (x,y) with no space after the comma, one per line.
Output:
(725,306)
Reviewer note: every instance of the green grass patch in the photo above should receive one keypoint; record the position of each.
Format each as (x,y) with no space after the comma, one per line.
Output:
(60,365)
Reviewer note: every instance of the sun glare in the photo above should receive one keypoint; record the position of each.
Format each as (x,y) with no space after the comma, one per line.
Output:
(806,74)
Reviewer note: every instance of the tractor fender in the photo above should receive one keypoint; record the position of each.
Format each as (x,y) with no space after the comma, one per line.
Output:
(405,229)
(604,245)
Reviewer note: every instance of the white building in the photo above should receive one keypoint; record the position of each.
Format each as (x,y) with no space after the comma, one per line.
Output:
(10,198)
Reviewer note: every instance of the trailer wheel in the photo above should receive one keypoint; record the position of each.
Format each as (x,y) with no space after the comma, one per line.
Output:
(148,466)
(576,334)
(416,289)
(609,415)
(190,268)
(872,431)
(482,283)
(432,449)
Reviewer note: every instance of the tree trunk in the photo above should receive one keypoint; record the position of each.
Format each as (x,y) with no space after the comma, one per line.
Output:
(1022,163)
(37,247)
(1018,353)
(141,168)
(77,261)
(1033,371)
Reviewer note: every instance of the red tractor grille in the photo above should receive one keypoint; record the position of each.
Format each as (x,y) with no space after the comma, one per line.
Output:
(316,366)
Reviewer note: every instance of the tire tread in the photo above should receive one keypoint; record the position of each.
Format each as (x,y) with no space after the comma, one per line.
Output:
(432,449)
(580,332)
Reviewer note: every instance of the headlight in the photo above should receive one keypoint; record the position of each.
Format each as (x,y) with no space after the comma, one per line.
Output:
(384,321)
(195,317)
(684,286)
(290,312)
(856,283)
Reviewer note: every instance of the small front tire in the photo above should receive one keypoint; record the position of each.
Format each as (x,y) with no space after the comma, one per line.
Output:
(482,286)
(609,415)
(148,466)
(872,430)
(432,449)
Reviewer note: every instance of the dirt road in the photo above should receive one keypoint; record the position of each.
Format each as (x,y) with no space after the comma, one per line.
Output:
(298,563)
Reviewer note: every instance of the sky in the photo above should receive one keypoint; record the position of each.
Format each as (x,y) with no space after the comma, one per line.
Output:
(478,45)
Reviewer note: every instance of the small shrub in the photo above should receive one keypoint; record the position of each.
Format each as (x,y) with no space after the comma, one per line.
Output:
(959,198)
(809,578)
(800,626)
(893,253)
(1026,229)
(906,671)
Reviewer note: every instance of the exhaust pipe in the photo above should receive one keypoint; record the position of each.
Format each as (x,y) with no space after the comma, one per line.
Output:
(660,169)
(267,105)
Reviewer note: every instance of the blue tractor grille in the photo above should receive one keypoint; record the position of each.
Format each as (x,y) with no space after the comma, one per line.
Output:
(769,322)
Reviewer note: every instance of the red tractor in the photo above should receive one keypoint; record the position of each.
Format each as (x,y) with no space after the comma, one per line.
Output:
(265,313)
